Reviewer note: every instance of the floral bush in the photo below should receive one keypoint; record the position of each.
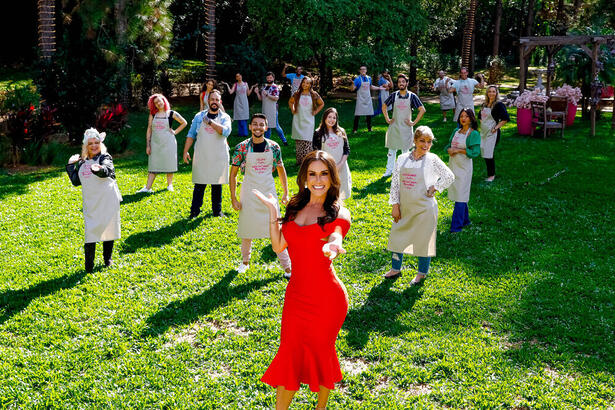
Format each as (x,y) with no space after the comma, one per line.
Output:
(572,94)
(527,97)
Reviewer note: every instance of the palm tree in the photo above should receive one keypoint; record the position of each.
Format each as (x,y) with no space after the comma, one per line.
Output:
(46,28)
(210,38)
(468,33)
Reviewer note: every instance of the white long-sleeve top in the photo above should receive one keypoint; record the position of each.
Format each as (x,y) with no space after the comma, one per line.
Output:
(435,172)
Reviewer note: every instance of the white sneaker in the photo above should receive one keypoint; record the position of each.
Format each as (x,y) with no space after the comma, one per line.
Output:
(387,173)
(144,190)
(444,120)
(242,268)
(170,188)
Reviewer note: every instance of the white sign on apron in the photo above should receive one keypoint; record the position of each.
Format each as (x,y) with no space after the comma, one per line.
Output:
(488,139)
(415,232)
(101,205)
(334,145)
(364,104)
(241,108)
(163,157)
(303,120)
(270,109)
(462,167)
(254,216)
(399,134)
(211,156)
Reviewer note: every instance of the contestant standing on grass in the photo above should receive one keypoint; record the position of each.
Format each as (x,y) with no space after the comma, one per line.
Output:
(94,171)
(207,88)
(295,78)
(384,81)
(211,157)
(332,138)
(400,131)
(493,116)
(304,104)
(316,302)
(364,107)
(269,96)
(161,143)
(463,146)
(258,158)
(241,106)
(464,87)
(417,176)
(442,86)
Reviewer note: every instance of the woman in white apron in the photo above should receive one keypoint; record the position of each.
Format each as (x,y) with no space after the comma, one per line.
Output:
(400,131)
(417,176)
(304,105)
(207,87)
(258,158)
(447,100)
(161,145)
(463,146)
(94,171)
(331,138)
(241,107)
(493,116)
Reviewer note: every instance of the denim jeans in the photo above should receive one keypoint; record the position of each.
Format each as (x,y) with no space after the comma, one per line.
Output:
(278,129)
(242,128)
(460,216)
(398,258)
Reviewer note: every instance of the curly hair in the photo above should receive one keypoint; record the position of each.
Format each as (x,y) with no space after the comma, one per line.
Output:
(152,107)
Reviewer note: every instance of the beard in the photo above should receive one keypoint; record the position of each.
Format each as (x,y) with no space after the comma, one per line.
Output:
(213,107)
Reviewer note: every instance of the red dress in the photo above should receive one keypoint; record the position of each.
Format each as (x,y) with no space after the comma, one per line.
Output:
(315,306)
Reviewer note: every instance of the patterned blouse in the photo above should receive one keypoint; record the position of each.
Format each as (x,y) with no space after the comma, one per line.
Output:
(245,146)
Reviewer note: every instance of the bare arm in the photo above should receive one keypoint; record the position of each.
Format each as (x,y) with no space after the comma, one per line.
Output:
(232,183)
(320,106)
(419,115)
(284,183)
(284,70)
(258,93)
(182,122)
(249,90)
(148,136)
(291,104)
(187,145)
(278,243)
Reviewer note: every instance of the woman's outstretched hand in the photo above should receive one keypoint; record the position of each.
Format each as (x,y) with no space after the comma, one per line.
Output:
(270,201)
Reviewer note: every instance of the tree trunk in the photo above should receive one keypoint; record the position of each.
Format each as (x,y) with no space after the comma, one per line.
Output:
(496,29)
(529,28)
(46,28)
(121,26)
(468,33)
(210,38)
(413,55)
(326,75)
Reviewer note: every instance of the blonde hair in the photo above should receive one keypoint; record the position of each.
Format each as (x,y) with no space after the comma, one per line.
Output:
(497,95)
(84,150)
(424,131)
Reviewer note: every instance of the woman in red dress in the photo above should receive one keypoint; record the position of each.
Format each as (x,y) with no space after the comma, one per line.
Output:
(316,302)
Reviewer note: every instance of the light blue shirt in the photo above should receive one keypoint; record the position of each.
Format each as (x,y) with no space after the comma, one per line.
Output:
(223,119)
(292,76)
(365,79)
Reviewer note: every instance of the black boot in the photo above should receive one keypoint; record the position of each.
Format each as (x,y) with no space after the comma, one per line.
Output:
(90,251)
(107,251)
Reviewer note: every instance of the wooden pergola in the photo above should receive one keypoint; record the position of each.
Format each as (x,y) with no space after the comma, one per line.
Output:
(589,44)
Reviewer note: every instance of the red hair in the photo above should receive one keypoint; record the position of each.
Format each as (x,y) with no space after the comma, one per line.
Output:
(152,107)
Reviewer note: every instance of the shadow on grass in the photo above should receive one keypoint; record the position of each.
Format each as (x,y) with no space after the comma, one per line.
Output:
(14,301)
(18,183)
(379,313)
(159,237)
(379,186)
(186,311)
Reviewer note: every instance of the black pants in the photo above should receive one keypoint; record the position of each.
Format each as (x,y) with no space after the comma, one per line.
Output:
(368,120)
(90,252)
(197,199)
(490,162)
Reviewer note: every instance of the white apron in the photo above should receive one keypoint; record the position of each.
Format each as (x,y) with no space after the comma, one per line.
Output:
(465,100)
(241,108)
(163,157)
(488,139)
(270,109)
(303,120)
(447,100)
(384,94)
(364,104)
(334,145)
(462,167)
(415,232)
(101,205)
(211,156)
(254,218)
(399,134)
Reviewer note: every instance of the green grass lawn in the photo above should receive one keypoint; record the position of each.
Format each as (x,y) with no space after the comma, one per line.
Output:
(517,311)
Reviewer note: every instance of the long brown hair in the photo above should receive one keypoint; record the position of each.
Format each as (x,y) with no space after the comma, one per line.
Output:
(497,96)
(301,199)
(322,130)
(297,95)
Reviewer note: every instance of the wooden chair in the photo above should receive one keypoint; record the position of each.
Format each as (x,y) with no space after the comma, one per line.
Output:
(541,117)
(558,106)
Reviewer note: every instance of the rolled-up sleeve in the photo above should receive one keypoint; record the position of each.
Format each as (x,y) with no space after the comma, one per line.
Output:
(194,127)
(226,123)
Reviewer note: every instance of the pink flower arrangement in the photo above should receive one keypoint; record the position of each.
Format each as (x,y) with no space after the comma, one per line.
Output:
(527,97)
(572,94)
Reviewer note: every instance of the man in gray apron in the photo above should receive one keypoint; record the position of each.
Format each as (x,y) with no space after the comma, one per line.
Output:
(295,78)
(209,128)
(442,86)
(257,157)
(364,107)
(464,87)
(269,96)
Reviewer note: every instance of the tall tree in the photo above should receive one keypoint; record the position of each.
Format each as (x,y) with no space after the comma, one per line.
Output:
(468,33)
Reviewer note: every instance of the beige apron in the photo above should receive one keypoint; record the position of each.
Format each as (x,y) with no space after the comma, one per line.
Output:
(334,145)
(211,156)
(254,216)
(465,97)
(270,109)
(303,120)
(163,157)
(447,100)
(364,104)
(241,107)
(488,139)
(101,205)
(399,134)
(295,84)
(462,167)
(415,232)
